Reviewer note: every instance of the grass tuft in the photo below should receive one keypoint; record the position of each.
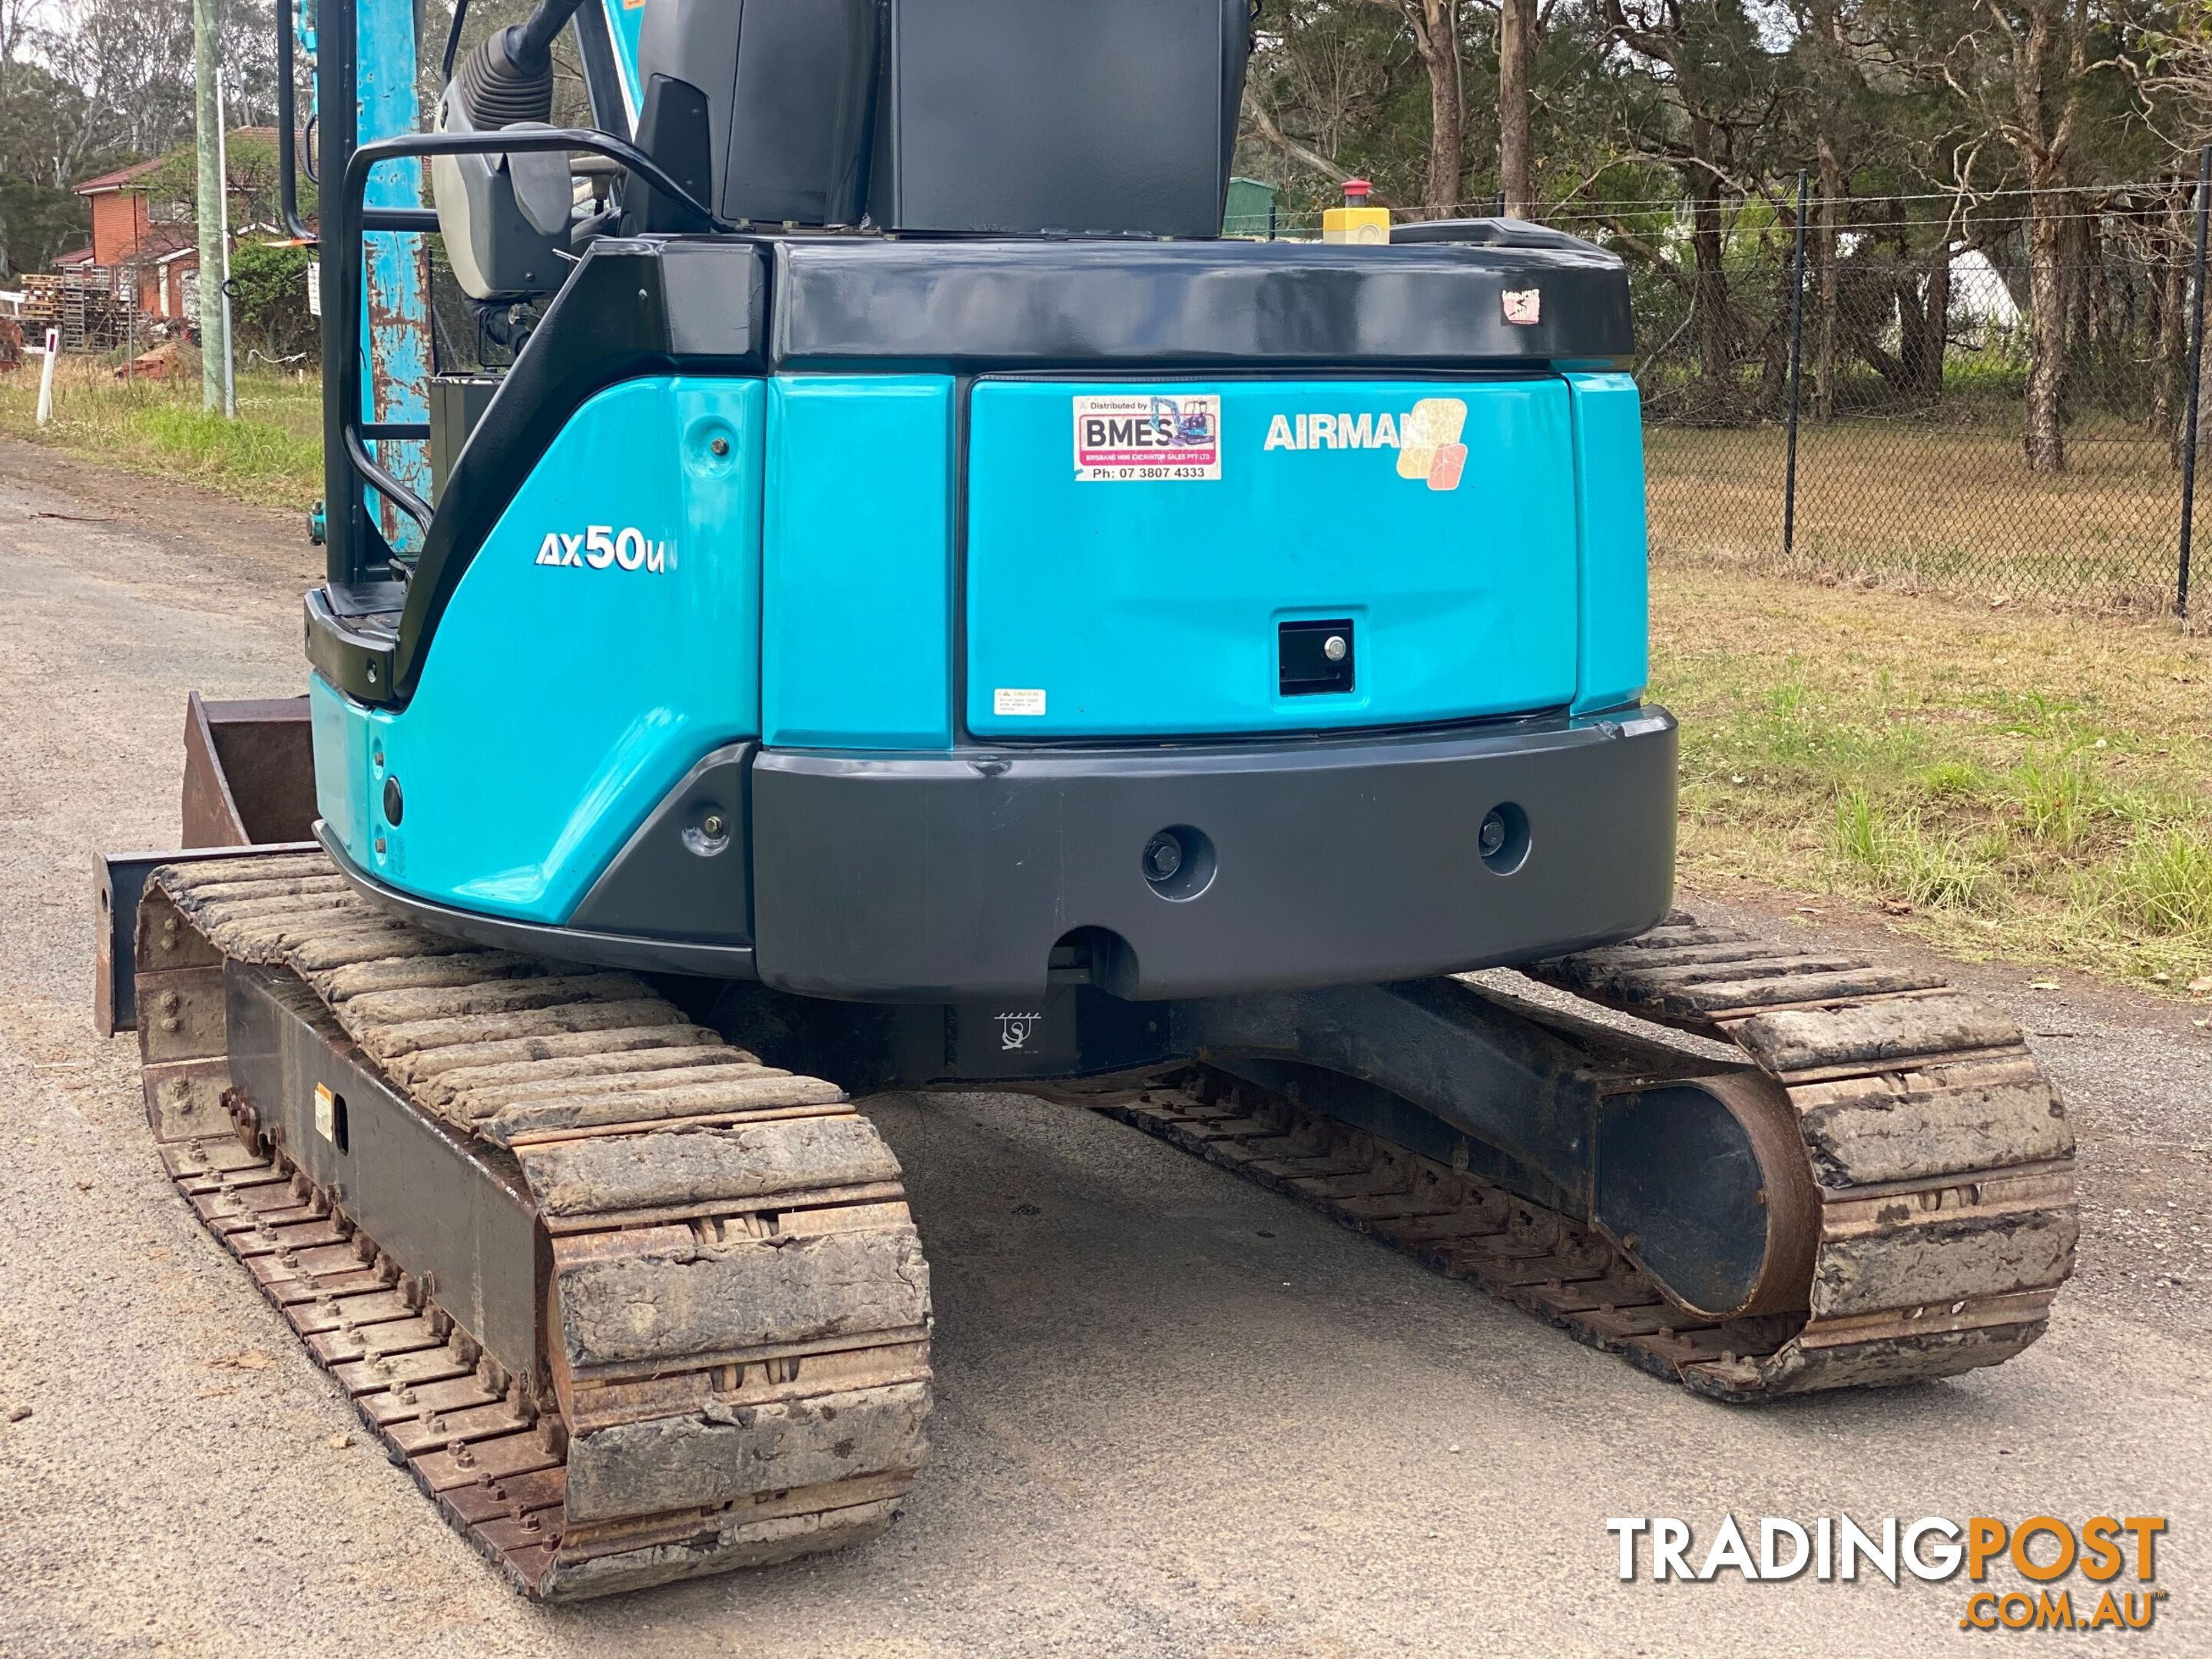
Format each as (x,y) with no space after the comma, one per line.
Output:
(2059,799)
(1954,779)
(271,455)
(2028,784)
(2163,886)
(1913,866)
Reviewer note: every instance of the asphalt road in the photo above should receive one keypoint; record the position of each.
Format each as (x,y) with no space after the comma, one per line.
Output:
(1175,1414)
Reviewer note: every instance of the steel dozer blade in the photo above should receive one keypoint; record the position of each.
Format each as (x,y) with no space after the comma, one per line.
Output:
(249,780)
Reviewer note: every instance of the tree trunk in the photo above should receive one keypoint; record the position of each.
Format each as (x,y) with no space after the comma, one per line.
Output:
(1437,39)
(1516,50)
(1716,336)
(1435,26)
(1824,340)
(1936,334)
(2169,328)
(2049,53)
(2075,251)
(2044,439)
(2096,281)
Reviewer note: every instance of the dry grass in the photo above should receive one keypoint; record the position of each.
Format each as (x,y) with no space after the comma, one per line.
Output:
(2017,783)
(272,455)
(1920,507)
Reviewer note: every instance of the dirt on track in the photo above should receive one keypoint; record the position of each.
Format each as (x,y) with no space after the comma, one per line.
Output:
(1177,1415)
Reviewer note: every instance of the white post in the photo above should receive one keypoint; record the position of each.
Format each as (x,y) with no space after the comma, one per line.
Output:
(222,224)
(46,376)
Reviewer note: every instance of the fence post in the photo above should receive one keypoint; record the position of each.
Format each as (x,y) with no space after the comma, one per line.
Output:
(46,376)
(1796,364)
(2196,378)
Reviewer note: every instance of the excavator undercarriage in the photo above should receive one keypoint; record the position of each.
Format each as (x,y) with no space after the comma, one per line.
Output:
(621,1273)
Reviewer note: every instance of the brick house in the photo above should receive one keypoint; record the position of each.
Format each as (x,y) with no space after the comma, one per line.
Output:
(123,233)
(151,245)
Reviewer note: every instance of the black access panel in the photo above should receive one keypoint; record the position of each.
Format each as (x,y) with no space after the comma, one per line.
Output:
(1069,116)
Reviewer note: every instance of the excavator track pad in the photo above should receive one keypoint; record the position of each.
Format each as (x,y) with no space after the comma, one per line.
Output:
(1940,1158)
(710,1346)
(632,1306)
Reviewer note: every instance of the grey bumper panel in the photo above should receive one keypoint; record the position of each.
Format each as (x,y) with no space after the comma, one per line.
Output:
(1341,861)
(638,954)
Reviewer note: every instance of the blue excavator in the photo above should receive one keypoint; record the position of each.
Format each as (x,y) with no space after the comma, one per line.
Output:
(915,607)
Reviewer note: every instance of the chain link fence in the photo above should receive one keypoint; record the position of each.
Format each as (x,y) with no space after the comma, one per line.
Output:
(1967,417)
(1987,397)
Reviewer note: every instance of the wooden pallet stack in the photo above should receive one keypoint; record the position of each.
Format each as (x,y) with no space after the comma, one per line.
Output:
(82,304)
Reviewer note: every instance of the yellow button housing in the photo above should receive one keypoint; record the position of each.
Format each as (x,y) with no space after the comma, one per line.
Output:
(1355,224)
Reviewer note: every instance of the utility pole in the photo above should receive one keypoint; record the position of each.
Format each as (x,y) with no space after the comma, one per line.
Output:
(207,110)
(222,240)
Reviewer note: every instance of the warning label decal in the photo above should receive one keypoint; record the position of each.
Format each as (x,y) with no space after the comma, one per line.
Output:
(1148,437)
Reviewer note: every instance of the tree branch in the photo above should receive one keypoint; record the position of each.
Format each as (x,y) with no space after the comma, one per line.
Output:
(1302,154)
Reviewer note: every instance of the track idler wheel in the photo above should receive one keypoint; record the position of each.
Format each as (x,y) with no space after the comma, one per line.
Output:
(1704,1183)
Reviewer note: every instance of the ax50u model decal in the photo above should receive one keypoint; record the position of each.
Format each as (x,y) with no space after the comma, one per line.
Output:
(601,545)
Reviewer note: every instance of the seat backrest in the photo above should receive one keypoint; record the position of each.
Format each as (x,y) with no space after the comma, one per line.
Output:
(1007,116)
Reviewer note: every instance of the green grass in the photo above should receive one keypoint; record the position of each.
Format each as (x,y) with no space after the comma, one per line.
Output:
(2163,886)
(270,455)
(2023,784)
(1923,869)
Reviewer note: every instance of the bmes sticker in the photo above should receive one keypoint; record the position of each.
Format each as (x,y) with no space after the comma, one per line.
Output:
(1148,437)
(601,546)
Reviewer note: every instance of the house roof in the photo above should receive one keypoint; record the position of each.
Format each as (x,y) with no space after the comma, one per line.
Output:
(82,256)
(123,177)
(116,179)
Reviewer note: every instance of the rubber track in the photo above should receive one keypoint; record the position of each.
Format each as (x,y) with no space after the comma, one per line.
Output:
(671,1171)
(1945,1262)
